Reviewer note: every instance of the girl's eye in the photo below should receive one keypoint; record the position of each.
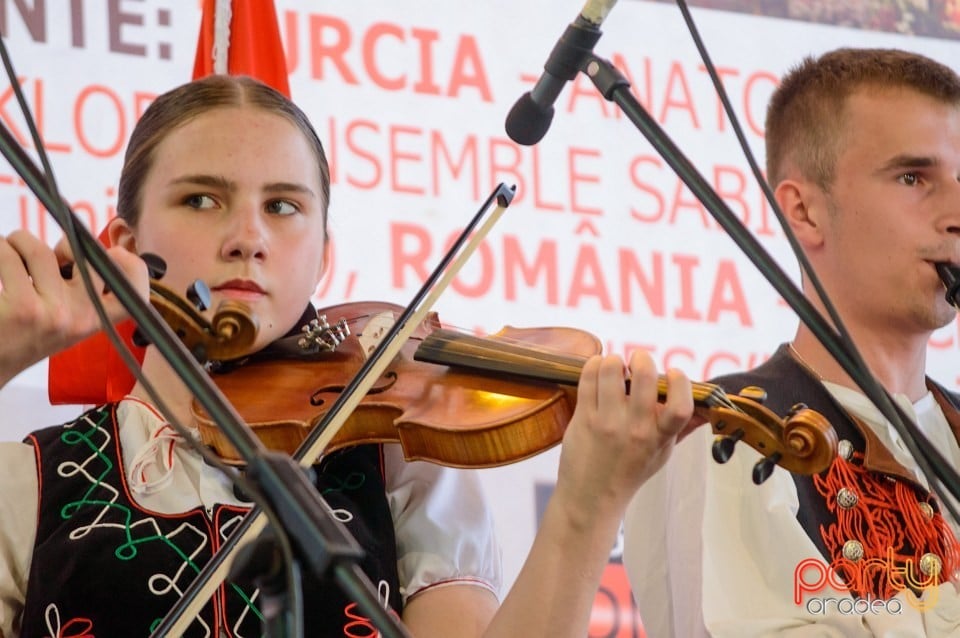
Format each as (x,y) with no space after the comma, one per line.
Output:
(282,207)
(200,201)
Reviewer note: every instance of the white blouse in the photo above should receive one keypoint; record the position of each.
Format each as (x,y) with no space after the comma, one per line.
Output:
(444,530)
(711,554)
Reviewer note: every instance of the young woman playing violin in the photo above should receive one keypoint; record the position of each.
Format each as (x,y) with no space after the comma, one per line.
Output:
(106,520)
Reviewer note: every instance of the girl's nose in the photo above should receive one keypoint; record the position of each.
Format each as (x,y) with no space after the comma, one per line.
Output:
(246,236)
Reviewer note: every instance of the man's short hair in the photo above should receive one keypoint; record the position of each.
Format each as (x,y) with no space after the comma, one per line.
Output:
(806,114)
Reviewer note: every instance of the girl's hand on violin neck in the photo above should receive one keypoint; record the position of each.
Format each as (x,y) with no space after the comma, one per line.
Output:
(616,440)
(133,268)
(41,311)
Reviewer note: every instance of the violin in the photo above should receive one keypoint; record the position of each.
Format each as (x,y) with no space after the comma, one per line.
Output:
(467,401)
(229,334)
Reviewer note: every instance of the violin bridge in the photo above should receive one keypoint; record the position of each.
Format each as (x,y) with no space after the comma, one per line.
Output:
(373,333)
(320,336)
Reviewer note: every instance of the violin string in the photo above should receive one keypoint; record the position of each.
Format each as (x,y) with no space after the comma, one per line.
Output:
(497,345)
(490,349)
(520,344)
(486,349)
(713,394)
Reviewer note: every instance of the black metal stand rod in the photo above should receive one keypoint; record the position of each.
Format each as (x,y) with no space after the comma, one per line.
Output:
(616,88)
(320,539)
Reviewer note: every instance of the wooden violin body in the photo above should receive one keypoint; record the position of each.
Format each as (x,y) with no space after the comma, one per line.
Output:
(467,401)
(437,413)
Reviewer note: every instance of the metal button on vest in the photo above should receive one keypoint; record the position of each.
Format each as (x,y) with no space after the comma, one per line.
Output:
(845,450)
(847,498)
(930,564)
(853,550)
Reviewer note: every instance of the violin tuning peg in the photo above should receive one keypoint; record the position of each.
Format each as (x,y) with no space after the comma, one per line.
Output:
(723,446)
(138,339)
(199,295)
(795,408)
(764,468)
(754,393)
(156,266)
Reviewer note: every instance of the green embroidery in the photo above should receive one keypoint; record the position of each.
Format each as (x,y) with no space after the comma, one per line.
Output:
(127,550)
(353,481)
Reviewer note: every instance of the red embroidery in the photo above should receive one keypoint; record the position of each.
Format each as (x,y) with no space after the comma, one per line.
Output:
(893,530)
(74,628)
(357,624)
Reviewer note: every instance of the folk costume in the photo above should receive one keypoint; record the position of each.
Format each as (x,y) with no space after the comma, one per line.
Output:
(746,560)
(123,514)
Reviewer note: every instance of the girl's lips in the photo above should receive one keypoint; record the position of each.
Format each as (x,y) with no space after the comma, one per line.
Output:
(241,289)
(240,295)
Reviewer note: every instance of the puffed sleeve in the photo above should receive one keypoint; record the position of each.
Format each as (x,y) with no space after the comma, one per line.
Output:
(444,529)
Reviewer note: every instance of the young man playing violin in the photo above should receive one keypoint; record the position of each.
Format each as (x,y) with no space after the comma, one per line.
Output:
(863,152)
(106,520)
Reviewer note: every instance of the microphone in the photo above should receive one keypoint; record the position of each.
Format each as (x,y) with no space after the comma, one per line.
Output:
(528,120)
(950,276)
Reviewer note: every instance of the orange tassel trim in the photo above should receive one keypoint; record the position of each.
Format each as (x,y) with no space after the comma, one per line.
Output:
(886,517)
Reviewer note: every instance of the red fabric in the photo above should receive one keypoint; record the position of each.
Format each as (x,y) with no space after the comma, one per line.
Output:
(255,46)
(92,372)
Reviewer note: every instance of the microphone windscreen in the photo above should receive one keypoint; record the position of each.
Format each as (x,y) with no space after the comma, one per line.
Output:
(527,122)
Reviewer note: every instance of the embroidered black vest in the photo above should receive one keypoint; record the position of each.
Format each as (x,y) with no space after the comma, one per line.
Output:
(866,509)
(103,566)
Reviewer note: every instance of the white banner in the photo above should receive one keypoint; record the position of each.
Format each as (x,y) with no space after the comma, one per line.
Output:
(410,100)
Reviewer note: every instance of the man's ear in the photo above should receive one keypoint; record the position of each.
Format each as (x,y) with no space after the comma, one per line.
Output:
(120,234)
(804,206)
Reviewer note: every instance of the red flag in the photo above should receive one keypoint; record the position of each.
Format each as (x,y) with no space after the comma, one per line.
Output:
(237,37)
(249,33)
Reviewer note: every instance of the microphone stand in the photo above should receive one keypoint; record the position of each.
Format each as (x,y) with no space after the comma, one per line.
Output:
(614,87)
(320,540)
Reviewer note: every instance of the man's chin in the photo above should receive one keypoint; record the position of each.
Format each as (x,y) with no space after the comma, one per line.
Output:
(945,314)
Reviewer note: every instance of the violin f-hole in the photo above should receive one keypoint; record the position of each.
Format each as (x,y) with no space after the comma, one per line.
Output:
(384,383)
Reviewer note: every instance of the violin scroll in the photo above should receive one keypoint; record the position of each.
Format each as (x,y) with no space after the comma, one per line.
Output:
(803,442)
(228,335)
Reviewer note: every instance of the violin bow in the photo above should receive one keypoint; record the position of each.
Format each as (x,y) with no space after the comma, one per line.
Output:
(152,326)
(373,367)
